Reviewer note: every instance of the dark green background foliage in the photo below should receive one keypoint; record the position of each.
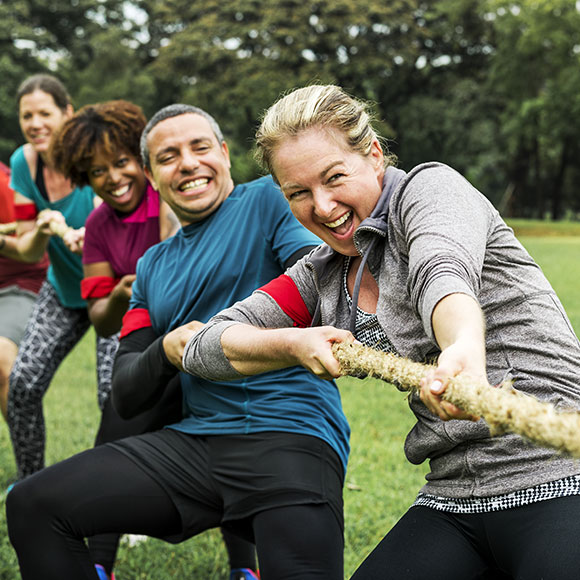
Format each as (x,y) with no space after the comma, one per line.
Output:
(491,87)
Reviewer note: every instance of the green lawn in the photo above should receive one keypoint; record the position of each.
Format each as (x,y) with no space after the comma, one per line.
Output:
(380,483)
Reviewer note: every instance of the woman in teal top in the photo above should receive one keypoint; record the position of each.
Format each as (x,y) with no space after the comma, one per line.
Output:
(59,318)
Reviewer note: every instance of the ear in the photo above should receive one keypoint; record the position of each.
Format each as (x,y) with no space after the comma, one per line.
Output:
(151,179)
(377,156)
(226,152)
(69,111)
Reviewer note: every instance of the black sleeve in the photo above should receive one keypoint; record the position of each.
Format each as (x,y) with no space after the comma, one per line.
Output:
(140,373)
(297,255)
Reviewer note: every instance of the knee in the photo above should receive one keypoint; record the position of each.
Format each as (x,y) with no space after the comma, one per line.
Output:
(18,512)
(27,505)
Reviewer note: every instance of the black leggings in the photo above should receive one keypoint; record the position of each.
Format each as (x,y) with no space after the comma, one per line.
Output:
(102,490)
(103,547)
(534,542)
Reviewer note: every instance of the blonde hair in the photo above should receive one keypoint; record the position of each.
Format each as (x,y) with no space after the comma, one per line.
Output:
(324,106)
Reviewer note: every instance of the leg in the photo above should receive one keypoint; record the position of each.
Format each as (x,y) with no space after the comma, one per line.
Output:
(538,540)
(8,352)
(300,542)
(423,544)
(103,547)
(100,490)
(106,351)
(241,553)
(51,333)
(15,308)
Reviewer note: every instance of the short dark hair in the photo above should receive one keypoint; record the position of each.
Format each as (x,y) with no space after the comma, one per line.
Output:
(110,126)
(168,112)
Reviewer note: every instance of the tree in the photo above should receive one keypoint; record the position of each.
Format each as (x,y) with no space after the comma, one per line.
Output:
(536,73)
(235,58)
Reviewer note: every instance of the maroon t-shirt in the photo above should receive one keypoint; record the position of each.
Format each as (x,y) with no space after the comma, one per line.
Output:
(122,239)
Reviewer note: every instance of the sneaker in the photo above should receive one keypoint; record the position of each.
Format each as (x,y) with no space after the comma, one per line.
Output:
(102,574)
(244,574)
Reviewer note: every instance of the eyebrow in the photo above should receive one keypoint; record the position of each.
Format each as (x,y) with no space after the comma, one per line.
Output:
(328,168)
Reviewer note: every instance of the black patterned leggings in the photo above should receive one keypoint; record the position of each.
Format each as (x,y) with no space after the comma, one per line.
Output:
(51,333)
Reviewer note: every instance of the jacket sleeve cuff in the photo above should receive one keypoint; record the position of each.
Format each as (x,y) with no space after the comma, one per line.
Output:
(204,357)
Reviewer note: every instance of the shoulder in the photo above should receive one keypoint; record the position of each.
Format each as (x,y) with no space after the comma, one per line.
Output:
(261,187)
(18,159)
(434,174)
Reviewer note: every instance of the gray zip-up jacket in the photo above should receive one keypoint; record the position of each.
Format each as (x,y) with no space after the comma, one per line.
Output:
(433,234)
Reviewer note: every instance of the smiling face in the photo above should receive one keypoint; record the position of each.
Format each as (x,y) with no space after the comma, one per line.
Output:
(330,189)
(40,117)
(118,179)
(189,167)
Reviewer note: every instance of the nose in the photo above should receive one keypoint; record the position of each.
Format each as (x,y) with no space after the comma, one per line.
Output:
(189,161)
(115,174)
(324,205)
(36,121)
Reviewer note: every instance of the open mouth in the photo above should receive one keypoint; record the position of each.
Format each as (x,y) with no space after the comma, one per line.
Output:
(339,221)
(120,191)
(194,184)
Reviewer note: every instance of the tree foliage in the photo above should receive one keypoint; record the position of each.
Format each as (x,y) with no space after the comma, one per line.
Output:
(491,87)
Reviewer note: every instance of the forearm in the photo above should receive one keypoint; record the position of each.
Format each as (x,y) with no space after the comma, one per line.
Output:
(457,320)
(459,328)
(252,350)
(107,313)
(228,351)
(141,373)
(28,247)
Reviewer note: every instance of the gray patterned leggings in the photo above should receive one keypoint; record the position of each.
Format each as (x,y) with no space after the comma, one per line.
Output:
(51,333)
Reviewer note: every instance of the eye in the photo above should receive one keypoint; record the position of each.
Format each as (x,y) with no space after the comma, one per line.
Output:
(97,172)
(165,159)
(122,161)
(335,176)
(294,195)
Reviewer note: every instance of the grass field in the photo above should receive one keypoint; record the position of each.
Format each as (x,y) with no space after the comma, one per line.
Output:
(380,483)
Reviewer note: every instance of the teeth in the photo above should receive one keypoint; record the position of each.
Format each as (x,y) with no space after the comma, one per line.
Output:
(339,221)
(121,191)
(201,182)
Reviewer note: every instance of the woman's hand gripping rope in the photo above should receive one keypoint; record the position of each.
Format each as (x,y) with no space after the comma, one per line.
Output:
(505,409)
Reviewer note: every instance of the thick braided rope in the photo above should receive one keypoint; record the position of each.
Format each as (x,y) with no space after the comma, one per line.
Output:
(59,229)
(505,409)
(8,228)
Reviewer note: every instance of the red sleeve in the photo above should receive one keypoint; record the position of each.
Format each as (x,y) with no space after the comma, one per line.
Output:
(134,320)
(25,211)
(97,286)
(286,294)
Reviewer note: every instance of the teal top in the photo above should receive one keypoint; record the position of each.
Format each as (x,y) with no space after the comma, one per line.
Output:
(66,270)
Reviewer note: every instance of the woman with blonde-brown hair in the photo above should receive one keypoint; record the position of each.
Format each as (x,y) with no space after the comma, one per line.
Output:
(420,264)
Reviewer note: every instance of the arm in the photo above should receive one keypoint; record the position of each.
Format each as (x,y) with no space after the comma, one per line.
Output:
(459,328)
(141,372)
(32,235)
(253,350)
(264,332)
(106,313)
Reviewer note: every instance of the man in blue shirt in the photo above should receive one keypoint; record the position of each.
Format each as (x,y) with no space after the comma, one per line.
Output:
(263,457)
